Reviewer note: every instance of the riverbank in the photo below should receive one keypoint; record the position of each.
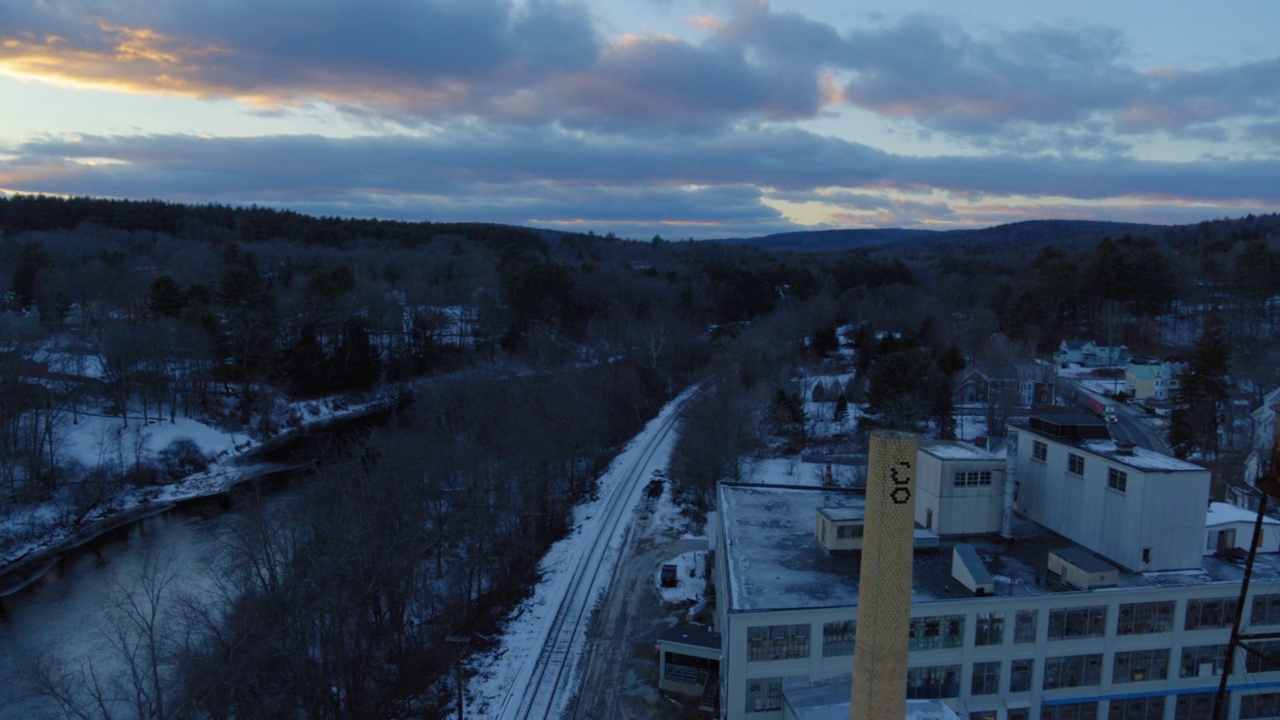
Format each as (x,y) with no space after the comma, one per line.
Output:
(39,536)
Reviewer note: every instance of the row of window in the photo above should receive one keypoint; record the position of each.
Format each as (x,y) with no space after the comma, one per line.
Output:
(785,642)
(1117,480)
(1194,706)
(972,478)
(765,695)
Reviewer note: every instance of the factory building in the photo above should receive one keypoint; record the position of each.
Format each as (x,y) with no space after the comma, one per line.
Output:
(1074,579)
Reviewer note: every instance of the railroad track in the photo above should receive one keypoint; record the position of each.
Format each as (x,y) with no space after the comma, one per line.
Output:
(543,687)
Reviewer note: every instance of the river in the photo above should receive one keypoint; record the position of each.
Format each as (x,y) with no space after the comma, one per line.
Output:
(69,618)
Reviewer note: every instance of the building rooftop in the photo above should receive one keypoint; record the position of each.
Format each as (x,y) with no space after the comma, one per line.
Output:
(775,563)
(1221,513)
(1138,458)
(688,635)
(1089,433)
(954,450)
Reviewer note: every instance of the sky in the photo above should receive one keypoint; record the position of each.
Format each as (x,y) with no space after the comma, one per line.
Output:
(684,118)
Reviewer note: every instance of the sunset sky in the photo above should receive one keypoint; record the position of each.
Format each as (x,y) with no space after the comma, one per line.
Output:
(687,118)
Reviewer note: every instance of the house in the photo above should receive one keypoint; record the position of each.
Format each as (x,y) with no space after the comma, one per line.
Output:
(1152,380)
(1264,434)
(1023,384)
(1061,619)
(1089,354)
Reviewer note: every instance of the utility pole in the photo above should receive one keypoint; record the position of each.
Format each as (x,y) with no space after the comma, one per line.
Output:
(461,641)
(1268,483)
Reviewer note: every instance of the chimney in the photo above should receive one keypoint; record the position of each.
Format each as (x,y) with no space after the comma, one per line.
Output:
(884,587)
(1010,484)
(1124,447)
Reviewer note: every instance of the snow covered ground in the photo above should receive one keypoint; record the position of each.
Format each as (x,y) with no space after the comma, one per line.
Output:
(501,684)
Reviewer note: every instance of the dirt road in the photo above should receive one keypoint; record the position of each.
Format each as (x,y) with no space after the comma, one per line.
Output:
(619,678)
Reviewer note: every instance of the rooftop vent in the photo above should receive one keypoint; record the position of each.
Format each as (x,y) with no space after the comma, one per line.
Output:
(1124,447)
(1080,568)
(969,570)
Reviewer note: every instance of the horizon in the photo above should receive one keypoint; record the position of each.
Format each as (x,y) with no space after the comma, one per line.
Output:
(682,118)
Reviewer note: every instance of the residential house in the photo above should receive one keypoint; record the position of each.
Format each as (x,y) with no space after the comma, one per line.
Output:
(1150,381)
(1090,354)
(1026,384)
(1264,435)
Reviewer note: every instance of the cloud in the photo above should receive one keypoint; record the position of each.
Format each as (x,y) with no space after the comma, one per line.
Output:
(543,62)
(526,175)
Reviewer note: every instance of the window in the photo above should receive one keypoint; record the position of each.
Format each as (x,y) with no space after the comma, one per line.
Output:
(931,633)
(1070,711)
(1066,623)
(935,681)
(838,637)
(1266,610)
(989,629)
(1145,708)
(1202,661)
(1024,626)
(1072,671)
(1018,714)
(983,715)
(986,678)
(849,531)
(1195,706)
(1075,464)
(1140,666)
(686,668)
(1039,451)
(777,642)
(764,695)
(1117,479)
(1020,674)
(1144,618)
(1255,664)
(1260,705)
(972,478)
(1210,613)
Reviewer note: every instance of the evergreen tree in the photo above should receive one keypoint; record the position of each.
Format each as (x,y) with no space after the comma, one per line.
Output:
(356,363)
(1202,398)
(165,297)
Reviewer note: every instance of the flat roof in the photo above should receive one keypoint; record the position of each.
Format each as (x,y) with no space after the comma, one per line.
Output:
(956,450)
(841,514)
(774,562)
(1085,560)
(1138,458)
(689,635)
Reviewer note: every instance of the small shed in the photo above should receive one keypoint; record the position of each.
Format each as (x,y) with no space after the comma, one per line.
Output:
(688,660)
(1081,568)
(1229,530)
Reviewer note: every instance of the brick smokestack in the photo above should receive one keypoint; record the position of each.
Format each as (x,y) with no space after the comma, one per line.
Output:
(884,590)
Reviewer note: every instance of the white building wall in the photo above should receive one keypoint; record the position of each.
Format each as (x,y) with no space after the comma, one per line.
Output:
(1163,511)
(737,672)
(928,491)
(946,509)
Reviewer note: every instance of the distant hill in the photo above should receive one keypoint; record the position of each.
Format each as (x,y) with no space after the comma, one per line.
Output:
(1030,231)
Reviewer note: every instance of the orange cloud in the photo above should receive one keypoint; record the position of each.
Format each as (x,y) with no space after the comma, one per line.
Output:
(138,60)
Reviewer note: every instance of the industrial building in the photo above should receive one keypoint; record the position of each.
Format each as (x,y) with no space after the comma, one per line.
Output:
(1077,578)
